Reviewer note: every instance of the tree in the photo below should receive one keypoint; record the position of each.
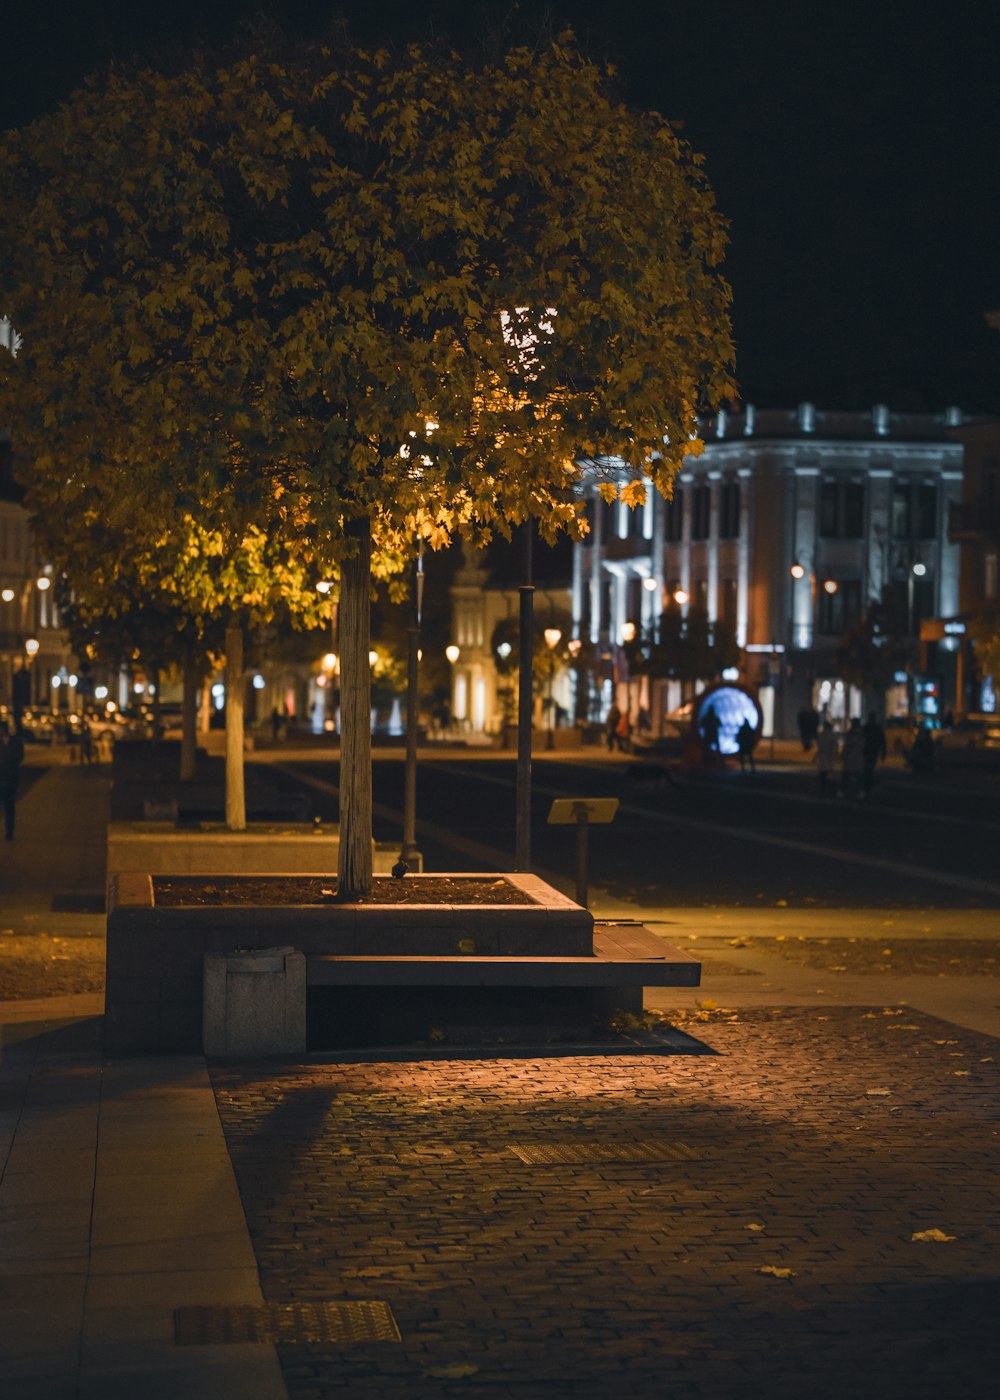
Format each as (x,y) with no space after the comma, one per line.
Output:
(348,297)
(877,646)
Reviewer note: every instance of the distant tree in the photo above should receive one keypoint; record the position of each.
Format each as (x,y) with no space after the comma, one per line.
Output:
(343,298)
(877,646)
(984,629)
(687,649)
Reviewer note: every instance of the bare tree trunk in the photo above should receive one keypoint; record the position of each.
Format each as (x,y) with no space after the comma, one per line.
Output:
(189,713)
(236,809)
(157,709)
(354,873)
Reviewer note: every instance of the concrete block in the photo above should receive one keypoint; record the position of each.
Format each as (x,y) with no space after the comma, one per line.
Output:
(254,1003)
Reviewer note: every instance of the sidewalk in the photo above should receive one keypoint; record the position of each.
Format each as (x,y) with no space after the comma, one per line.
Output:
(118,1202)
(810,1140)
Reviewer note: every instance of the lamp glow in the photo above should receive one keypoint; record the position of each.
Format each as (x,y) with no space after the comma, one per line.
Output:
(920,570)
(32,645)
(504,650)
(42,583)
(7,595)
(797,571)
(649,584)
(324,586)
(452,653)
(628,631)
(830,586)
(681,596)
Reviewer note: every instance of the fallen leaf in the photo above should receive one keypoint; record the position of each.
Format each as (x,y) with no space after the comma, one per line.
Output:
(986,1060)
(839,968)
(755,1228)
(961,1071)
(451,1373)
(878,1093)
(888,923)
(822,1018)
(781,903)
(891,1011)
(708,1005)
(774,1271)
(887,952)
(934,1236)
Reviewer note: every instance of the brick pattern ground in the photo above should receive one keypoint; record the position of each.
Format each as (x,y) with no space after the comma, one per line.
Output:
(47,965)
(642,1280)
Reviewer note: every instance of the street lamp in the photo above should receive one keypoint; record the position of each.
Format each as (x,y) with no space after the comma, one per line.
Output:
(31,646)
(452,652)
(681,597)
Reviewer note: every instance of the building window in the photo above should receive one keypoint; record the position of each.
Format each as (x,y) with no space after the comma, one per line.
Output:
(729,511)
(701,594)
(840,610)
(674,517)
(727,601)
(842,510)
(701,506)
(925,511)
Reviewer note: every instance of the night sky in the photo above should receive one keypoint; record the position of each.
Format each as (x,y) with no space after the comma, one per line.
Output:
(855,148)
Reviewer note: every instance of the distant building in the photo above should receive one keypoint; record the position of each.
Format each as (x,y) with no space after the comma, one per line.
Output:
(34,652)
(787,526)
(974,527)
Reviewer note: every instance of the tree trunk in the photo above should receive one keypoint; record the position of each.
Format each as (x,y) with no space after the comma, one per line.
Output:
(236,810)
(154,672)
(189,715)
(205,713)
(354,872)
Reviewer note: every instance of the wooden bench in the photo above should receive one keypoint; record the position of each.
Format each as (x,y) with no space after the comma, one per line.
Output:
(625,954)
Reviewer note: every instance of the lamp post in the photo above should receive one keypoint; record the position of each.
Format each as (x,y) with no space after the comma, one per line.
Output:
(409,853)
(526,594)
(553,636)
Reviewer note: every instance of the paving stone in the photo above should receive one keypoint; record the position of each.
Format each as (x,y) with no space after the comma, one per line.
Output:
(595,1278)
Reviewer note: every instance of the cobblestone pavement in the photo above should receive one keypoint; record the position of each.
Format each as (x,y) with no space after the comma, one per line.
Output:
(816,1141)
(49,965)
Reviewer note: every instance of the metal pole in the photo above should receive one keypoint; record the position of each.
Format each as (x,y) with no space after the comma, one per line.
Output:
(522,857)
(409,852)
(582,828)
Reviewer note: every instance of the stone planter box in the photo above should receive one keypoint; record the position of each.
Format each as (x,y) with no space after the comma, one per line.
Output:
(158,848)
(155,952)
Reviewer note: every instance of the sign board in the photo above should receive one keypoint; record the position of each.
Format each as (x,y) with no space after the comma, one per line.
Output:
(595,811)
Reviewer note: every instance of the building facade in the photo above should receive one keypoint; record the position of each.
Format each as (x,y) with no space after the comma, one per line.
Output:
(786,527)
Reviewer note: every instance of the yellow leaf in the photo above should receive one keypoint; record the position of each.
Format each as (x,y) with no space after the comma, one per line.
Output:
(878,1093)
(934,1236)
(775,1271)
(708,1005)
(451,1373)
(755,1228)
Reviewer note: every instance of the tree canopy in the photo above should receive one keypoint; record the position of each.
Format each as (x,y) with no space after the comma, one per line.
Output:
(334,296)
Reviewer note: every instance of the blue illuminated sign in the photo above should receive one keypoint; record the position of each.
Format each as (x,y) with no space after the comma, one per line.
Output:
(731,705)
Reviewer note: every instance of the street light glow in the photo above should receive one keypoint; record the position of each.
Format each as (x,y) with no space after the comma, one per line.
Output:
(31,646)
(628,631)
(452,653)
(42,583)
(797,571)
(830,586)
(649,584)
(324,586)
(7,595)
(920,570)
(504,650)
(681,597)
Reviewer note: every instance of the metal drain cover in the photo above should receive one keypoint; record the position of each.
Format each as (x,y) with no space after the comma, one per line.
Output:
(538,1154)
(365,1320)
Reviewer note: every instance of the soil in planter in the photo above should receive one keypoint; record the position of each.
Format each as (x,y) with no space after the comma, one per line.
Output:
(279,890)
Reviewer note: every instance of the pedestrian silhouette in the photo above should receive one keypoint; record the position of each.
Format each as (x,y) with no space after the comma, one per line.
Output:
(710,726)
(852,760)
(746,737)
(874,739)
(827,750)
(611,726)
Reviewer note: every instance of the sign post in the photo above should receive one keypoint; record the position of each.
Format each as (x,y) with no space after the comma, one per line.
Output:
(583,813)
